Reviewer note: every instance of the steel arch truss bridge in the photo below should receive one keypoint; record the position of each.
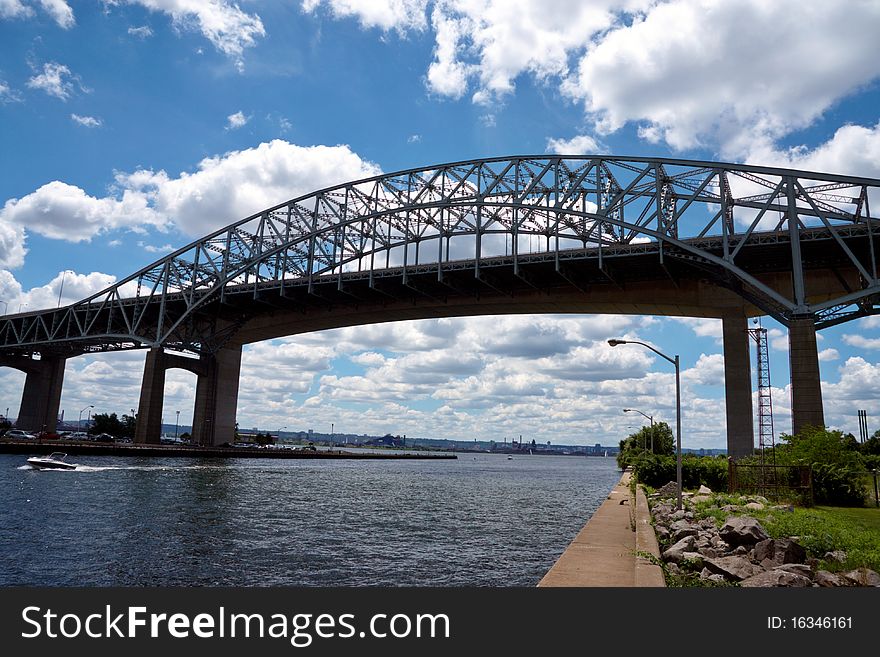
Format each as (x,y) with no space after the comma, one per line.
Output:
(799,246)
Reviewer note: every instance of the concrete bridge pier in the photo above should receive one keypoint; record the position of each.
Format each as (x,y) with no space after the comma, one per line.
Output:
(217,397)
(42,391)
(149,422)
(738,385)
(806,383)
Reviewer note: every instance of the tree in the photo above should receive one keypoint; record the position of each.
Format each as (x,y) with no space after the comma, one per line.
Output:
(107,423)
(640,443)
(129,424)
(872,445)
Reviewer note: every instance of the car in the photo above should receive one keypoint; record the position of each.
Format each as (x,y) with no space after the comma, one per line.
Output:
(18,434)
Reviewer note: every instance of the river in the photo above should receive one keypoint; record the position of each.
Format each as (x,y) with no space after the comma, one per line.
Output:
(480,520)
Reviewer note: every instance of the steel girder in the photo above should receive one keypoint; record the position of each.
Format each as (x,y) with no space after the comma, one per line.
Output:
(467,215)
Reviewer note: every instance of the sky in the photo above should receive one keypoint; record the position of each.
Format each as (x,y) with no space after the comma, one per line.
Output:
(128,128)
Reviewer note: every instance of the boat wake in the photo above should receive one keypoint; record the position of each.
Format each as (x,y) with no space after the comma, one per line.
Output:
(144,468)
(147,468)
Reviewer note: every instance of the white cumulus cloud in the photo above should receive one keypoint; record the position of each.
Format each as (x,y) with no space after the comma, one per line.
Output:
(55,80)
(711,72)
(229,29)
(577,145)
(61,211)
(221,190)
(86,121)
(141,32)
(236,121)
(58,10)
(383,14)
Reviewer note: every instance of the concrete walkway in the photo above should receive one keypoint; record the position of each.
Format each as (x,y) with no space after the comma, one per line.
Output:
(604,551)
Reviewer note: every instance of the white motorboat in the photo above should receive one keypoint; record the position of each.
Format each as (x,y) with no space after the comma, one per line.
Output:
(55,461)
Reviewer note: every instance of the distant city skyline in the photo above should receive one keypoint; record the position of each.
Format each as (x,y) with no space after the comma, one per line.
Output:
(138,126)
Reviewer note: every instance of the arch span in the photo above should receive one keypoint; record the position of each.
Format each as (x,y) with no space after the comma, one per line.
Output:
(579,233)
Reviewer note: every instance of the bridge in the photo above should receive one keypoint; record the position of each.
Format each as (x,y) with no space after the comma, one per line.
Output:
(531,234)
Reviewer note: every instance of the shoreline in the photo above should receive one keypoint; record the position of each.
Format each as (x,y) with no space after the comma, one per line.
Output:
(112,449)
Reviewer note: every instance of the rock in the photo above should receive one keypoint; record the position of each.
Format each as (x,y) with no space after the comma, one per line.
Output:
(719,543)
(824,578)
(797,568)
(709,552)
(742,530)
(706,574)
(704,490)
(675,553)
(693,560)
(730,508)
(668,490)
(741,550)
(677,515)
(776,578)
(755,506)
(779,551)
(662,532)
(681,528)
(700,498)
(733,567)
(863,577)
(838,556)
(785,508)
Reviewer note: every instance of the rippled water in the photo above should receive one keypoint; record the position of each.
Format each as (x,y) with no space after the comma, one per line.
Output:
(475,521)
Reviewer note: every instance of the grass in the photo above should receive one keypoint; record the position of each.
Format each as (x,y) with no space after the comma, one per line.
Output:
(819,529)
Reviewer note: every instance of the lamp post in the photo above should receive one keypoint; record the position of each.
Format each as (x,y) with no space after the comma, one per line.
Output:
(176,425)
(61,287)
(650,417)
(5,306)
(21,305)
(676,362)
(80,421)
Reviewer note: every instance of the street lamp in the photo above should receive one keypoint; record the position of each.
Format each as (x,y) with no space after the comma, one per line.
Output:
(650,417)
(675,361)
(80,421)
(21,305)
(61,288)
(176,425)
(5,307)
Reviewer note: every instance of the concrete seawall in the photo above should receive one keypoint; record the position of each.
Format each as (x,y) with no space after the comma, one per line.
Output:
(604,553)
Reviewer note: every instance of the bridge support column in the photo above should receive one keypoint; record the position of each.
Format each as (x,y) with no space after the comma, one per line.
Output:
(217,397)
(42,394)
(149,421)
(806,384)
(738,386)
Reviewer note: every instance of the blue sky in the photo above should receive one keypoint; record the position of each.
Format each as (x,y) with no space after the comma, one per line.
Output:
(130,127)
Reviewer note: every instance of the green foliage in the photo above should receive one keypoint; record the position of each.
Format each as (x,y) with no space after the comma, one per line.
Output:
(656,470)
(111,424)
(640,442)
(818,445)
(106,423)
(838,466)
(839,485)
(821,530)
(872,445)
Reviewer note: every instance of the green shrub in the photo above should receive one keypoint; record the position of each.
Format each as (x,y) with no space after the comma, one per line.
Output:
(838,485)
(838,467)
(656,470)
